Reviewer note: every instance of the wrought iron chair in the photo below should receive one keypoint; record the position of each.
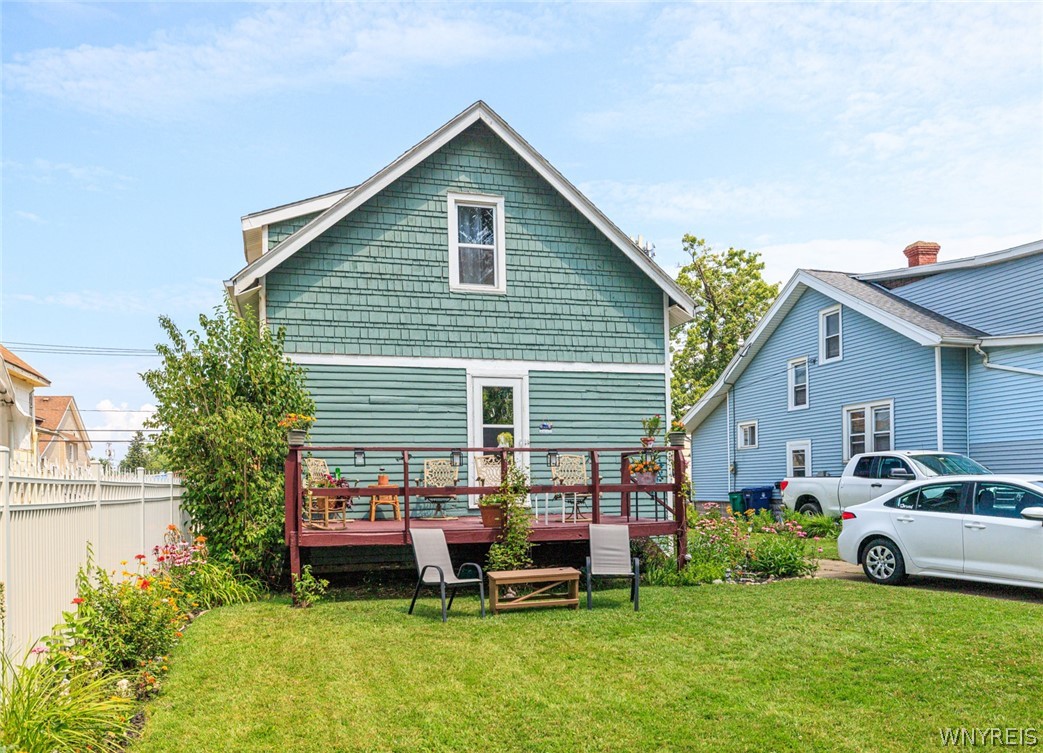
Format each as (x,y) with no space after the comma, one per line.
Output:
(571,471)
(610,558)
(439,472)
(319,510)
(435,568)
(487,470)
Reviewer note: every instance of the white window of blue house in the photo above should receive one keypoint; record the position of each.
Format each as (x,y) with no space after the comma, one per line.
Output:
(798,458)
(868,428)
(747,435)
(477,262)
(830,346)
(798,383)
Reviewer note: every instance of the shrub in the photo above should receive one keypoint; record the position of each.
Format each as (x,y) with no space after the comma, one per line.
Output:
(307,589)
(197,582)
(782,555)
(822,526)
(512,549)
(48,707)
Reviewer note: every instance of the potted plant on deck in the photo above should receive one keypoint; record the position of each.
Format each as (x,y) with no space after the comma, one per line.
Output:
(644,471)
(512,492)
(652,426)
(677,433)
(296,426)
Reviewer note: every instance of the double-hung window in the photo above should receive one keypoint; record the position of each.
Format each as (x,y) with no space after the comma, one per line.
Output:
(798,383)
(476,244)
(868,428)
(830,347)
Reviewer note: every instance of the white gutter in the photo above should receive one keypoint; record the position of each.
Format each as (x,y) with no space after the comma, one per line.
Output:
(998,367)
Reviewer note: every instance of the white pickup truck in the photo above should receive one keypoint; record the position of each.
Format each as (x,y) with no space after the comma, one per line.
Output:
(868,476)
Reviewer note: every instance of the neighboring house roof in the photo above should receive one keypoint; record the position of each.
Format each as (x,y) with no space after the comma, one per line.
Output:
(971,262)
(51,411)
(255,222)
(919,324)
(243,281)
(17,367)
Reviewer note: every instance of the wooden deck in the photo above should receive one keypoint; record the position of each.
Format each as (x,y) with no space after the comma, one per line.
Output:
(468,530)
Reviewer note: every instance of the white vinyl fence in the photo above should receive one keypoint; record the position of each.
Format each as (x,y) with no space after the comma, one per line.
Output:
(47,521)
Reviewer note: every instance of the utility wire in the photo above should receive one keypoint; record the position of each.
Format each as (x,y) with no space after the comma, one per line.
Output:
(80,350)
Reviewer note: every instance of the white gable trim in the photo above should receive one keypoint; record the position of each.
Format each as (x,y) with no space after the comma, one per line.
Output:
(797,284)
(246,277)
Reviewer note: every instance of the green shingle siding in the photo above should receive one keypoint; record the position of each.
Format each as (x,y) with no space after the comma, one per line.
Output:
(377,283)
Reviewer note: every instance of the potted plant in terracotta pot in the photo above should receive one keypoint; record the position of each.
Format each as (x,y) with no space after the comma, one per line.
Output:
(296,426)
(677,433)
(652,426)
(512,492)
(644,471)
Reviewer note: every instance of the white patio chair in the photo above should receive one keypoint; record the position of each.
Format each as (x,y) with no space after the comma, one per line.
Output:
(610,558)
(435,568)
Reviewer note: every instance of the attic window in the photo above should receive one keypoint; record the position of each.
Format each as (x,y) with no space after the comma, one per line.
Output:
(476,244)
(830,346)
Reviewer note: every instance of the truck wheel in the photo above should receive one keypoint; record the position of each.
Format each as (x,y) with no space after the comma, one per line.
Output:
(883,563)
(809,508)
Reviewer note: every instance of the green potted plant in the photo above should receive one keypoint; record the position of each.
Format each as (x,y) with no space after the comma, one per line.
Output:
(644,471)
(296,426)
(513,489)
(677,433)
(652,426)
(512,549)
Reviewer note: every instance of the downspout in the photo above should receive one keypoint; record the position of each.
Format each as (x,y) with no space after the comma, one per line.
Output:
(998,367)
(938,396)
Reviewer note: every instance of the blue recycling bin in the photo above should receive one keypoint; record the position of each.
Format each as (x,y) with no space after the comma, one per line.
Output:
(757,497)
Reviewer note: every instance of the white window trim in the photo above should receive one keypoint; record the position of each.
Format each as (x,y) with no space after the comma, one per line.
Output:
(756,434)
(472,199)
(822,333)
(790,382)
(798,444)
(868,408)
(481,378)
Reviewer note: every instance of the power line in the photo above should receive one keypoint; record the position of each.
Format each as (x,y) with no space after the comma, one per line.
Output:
(81,350)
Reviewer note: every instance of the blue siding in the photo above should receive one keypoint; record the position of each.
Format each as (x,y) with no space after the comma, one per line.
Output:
(954,400)
(1001,299)
(710,457)
(1006,416)
(878,364)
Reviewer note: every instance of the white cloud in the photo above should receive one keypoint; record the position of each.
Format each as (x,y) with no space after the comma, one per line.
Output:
(304,46)
(87,177)
(198,295)
(28,216)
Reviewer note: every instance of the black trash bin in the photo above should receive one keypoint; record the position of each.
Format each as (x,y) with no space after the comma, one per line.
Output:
(757,497)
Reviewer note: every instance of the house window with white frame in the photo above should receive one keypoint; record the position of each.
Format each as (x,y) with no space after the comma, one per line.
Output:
(476,244)
(747,435)
(798,384)
(830,344)
(798,458)
(868,428)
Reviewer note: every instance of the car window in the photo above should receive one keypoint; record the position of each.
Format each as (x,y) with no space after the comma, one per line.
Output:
(887,464)
(932,498)
(862,467)
(949,465)
(1004,500)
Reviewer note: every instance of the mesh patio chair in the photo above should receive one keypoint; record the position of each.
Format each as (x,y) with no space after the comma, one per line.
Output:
(438,472)
(435,568)
(610,558)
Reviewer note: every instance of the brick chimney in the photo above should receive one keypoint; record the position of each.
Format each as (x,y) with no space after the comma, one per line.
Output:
(922,252)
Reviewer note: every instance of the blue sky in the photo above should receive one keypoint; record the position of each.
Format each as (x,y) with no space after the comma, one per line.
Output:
(822,135)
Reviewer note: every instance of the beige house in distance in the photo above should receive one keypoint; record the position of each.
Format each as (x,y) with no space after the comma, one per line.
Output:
(18,383)
(62,438)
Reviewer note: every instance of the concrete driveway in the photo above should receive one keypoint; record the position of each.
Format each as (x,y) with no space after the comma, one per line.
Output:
(840,570)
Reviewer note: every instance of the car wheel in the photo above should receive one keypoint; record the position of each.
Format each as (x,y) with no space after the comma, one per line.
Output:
(883,563)
(809,508)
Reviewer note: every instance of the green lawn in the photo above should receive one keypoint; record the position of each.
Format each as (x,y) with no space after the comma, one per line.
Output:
(828,547)
(804,665)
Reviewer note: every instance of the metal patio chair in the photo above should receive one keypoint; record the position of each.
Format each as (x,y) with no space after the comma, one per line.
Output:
(571,471)
(435,568)
(487,470)
(438,472)
(610,558)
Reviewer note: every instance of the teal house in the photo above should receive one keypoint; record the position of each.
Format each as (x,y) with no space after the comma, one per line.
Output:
(465,290)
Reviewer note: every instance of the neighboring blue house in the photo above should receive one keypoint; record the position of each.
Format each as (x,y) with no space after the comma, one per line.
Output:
(945,356)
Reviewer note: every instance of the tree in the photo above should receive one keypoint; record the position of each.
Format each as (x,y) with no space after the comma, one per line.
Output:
(137,454)
(731,296)
(221,393)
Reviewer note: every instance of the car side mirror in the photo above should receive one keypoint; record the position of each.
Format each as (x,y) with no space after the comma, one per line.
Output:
(901,473)
(1033,513)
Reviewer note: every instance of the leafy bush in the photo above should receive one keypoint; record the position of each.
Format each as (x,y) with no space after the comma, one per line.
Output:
(821,526)
(782,556)
(48,707)
(307,589)
(197,582)
(512,549)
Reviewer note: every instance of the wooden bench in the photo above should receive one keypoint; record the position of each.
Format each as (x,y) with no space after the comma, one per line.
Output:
(549,578)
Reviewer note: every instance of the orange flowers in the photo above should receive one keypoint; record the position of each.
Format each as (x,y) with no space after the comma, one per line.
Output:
(144,584)
(77,600)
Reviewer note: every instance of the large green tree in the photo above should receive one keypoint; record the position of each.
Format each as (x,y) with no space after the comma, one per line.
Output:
(221,393)
(731,296)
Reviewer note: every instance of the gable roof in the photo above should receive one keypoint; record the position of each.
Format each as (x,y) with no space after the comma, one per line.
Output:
(22,369)
(682,306)
(50,413)
(919,324)
(253,224)
(970,262)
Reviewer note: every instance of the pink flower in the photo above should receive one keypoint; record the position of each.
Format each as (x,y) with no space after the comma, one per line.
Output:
(39,650)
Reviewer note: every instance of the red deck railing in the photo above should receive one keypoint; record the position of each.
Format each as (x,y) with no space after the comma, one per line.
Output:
(674,521)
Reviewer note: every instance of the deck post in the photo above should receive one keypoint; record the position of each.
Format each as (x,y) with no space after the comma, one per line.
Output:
(293,511)
(405,494)
(680,509)
(503,464)
(595,492)
(624,476)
